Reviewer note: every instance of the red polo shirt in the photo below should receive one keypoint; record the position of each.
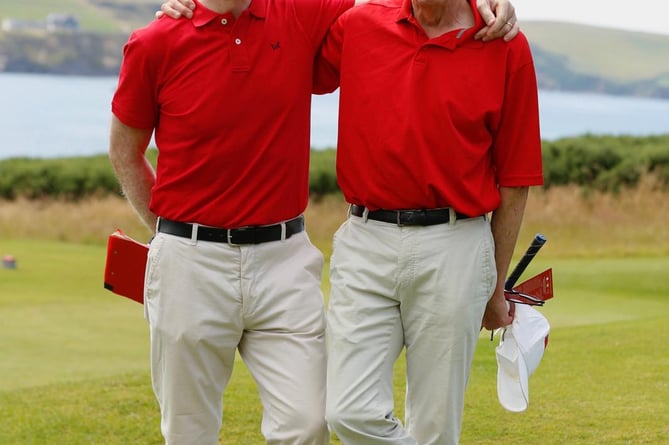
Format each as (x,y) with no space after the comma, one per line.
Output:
(230,103)
(428,123)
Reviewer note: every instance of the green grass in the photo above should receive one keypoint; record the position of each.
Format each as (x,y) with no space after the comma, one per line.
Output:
(74,358)
(597,384)
(58,323)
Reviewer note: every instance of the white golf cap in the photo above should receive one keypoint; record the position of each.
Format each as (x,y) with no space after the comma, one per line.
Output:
(519,353)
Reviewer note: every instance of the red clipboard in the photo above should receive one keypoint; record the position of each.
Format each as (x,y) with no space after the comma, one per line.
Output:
(125,266)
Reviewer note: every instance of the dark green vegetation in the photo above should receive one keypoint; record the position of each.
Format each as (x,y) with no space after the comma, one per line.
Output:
(604,162)
(568,57)
(597,162)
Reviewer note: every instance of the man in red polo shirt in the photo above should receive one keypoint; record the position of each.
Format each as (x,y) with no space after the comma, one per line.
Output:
(230,267)
(436,132)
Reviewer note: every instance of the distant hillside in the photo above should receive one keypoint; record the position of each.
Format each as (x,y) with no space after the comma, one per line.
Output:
(93,15)
(90,47)
(587,58)
(568,57)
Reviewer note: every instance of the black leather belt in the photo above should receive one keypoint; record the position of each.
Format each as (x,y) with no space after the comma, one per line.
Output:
(427,217)
(242,235)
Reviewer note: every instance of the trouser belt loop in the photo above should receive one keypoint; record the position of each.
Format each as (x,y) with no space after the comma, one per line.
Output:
(283,231)
(452,217)
(193,234)
(365,215)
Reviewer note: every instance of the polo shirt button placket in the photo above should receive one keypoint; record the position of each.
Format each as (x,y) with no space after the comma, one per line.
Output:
(224,21)
(239,57)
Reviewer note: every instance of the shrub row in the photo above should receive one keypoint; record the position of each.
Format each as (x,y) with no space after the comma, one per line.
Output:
(605,163)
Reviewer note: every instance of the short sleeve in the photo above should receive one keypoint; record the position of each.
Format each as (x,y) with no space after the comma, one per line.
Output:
(135,99)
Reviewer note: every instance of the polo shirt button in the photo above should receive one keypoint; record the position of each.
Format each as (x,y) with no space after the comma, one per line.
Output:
(238,41)
(224,21)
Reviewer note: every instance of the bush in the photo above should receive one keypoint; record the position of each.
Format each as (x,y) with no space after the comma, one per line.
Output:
(604,163)
(68,178)
(322,172)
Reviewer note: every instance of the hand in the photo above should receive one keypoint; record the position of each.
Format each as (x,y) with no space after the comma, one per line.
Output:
(176,9)
(498,313)
(500,18)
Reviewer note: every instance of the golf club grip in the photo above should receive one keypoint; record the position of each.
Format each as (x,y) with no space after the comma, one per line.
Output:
(536,244)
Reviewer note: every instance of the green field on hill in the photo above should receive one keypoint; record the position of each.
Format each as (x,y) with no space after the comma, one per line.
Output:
(93,15)
(587,49)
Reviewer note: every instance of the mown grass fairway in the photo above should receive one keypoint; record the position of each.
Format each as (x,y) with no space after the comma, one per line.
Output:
(74,357)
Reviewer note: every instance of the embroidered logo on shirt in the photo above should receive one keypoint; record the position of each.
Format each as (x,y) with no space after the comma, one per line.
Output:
(276,45)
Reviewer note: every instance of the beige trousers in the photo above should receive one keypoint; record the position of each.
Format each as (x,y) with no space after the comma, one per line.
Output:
(420,288)
(204,301)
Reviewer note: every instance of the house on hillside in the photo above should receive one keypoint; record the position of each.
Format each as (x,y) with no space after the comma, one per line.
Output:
(14,25)
(61,22)
(55,22)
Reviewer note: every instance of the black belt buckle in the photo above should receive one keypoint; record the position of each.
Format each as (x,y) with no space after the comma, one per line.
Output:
(411,217)
(249,235)
(415,217)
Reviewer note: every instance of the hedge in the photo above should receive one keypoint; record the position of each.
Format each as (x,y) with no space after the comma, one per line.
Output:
(606,163)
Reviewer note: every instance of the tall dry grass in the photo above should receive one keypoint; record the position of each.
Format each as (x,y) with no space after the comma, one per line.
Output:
(587,223)
(631,222)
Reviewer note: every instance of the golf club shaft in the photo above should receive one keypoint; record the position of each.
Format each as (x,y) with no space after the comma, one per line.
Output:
(536,244)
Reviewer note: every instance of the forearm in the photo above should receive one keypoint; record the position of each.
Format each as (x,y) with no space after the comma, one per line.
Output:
(134,172)
(506,223)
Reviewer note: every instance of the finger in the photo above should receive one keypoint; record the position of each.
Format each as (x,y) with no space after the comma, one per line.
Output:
(498,28)
(512,309)
(176,9)
(185,8)
(498,23)
(507,30)
(166,9)
(506,13)
(515,28)
(485,11)
(513,32)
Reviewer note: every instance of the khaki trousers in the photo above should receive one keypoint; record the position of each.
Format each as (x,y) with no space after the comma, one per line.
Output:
(204,301)
(420,288)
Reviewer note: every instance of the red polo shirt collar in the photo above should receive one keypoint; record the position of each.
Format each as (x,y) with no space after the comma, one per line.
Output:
(203,15)
(448,40)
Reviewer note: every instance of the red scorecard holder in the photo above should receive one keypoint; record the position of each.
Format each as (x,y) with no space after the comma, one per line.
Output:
(534,291)
(125,265)
(539,286)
